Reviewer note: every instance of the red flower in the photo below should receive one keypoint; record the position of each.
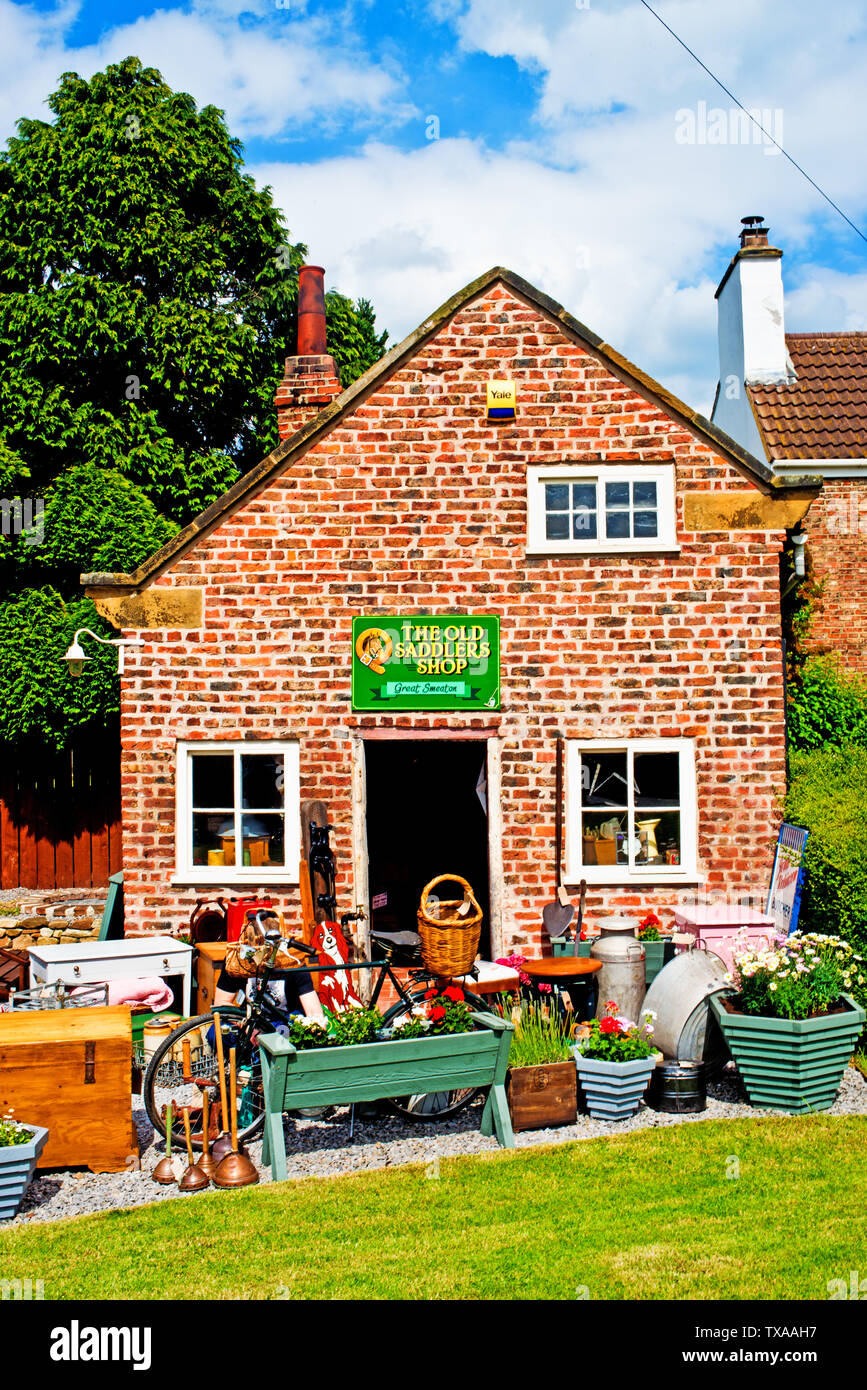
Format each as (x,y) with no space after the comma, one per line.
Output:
(430,994)
(453,992)
(437,1012)
(610,1025)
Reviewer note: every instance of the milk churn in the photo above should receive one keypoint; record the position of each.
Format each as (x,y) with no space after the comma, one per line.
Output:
(622,975)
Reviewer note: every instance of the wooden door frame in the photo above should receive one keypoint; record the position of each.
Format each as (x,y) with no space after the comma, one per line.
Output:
(360,855)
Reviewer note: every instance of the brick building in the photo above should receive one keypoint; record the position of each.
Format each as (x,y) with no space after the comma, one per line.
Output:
(630,553)
(798,401)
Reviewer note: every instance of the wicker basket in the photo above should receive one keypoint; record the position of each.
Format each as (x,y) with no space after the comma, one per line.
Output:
(449,940)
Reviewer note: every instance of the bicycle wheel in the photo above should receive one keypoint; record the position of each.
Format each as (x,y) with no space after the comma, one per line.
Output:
(171,1077)
(435,1105)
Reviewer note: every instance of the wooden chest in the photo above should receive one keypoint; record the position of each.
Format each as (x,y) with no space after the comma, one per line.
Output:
(70,1070)
(544,1096)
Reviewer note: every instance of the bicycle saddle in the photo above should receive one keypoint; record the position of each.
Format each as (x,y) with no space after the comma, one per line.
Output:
(398,938)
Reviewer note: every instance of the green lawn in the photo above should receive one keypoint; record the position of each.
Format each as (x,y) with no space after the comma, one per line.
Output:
(645,1215)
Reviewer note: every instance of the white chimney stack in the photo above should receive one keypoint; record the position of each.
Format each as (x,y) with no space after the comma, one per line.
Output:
(752,336)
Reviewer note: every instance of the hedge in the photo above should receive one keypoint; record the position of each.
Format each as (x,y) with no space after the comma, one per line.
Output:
(828,796)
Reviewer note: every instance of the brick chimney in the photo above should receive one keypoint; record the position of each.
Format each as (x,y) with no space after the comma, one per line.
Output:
(752,336)
(310,381)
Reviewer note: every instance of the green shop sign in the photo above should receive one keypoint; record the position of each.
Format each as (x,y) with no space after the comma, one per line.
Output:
(426,663)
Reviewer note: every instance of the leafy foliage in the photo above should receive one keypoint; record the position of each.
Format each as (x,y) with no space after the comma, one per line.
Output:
(796,979)
(38,697)
(147,303)
(609,1039)
(826,705)
(828,796)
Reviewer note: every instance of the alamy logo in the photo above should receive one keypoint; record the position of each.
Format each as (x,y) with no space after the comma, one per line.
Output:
(23,518)
(77,1343)
(22,1290)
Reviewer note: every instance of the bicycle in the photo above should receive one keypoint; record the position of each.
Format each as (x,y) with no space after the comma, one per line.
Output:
(185,1064)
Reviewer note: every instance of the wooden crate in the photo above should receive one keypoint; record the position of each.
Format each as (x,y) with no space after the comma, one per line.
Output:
(542,1097)
(70,1070)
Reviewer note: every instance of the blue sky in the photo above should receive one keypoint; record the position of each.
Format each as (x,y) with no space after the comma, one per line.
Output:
(574,141)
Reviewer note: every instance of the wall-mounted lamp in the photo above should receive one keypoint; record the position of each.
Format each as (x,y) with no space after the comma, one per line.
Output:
(76,656)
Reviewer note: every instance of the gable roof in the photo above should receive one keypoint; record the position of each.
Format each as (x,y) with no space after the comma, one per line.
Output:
(822,414)
(297,444)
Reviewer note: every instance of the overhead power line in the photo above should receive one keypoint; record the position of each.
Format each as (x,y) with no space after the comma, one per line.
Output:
(749,114)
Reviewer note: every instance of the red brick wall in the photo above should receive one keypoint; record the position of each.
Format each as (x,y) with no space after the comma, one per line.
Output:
(415,503)
(837,528)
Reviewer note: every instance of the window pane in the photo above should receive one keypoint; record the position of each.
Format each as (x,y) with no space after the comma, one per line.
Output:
(617,525)
(600,838)
(213,780)
(213,840)
(603,779)
(262,840)
(584,526)
(556,497)
(557,526)
(657,779)
(644,524)
(261,781)
(584,495)
(658,838)
(644,494)
(617,494)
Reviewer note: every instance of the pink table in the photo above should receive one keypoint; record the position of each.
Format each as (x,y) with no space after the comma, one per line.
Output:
(716,928)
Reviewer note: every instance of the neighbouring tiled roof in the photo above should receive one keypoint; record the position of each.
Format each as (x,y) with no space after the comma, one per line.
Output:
(823,414)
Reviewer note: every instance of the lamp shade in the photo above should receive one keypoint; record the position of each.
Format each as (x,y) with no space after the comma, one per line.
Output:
(76,657)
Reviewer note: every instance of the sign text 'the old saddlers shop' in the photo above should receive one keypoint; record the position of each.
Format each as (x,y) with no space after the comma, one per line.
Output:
(436,662)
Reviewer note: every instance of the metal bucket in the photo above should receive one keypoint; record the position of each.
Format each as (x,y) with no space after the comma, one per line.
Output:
(684,1028)
(622,975)
(678,1088)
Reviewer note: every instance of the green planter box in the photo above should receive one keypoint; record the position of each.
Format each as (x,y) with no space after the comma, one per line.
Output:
(790,1064)
(561,947)
(656,955)
(315,1077)
(17,1166)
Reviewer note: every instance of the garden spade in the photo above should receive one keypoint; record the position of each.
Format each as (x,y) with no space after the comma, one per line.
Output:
(557,915)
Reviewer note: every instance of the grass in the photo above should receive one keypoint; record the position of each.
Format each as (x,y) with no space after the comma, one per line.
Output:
(651,1215)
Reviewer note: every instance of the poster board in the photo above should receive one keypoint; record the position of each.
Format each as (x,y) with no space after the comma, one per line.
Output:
(787,877)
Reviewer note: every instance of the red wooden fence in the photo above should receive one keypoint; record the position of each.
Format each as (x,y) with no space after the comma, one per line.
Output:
(60,815)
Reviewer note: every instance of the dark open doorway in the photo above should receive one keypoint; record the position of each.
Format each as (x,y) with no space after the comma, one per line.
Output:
(424,818)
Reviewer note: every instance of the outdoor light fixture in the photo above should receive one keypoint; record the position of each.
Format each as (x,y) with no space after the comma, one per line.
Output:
(799,541)
(76,655)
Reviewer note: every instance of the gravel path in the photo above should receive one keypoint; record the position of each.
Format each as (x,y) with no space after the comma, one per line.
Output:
(323,1148)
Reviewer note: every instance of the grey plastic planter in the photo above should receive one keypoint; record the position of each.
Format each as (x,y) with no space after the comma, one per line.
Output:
(791,1064)
(613,1090)
(17,1166)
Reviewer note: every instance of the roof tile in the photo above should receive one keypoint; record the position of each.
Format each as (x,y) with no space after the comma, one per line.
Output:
(823,414)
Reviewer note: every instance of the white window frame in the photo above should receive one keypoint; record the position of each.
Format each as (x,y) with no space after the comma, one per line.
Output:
(185,870)
(660,473)
(687,869)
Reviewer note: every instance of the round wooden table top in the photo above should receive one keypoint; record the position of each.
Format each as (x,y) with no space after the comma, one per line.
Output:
(561,967)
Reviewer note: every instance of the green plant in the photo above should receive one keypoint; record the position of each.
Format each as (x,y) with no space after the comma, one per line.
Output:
(12,1133)
(611,1040)
(799,978)
(828,796)
(649,928)
(826,705)
(445,1011)
(354,1026)
(307,1032)
(540,1036)
(852,967)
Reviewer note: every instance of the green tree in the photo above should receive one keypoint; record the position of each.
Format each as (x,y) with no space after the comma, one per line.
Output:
(147,302)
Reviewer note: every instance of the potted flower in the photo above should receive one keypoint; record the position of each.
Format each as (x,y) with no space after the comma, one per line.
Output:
(658,946)
(615,1062)
(541,1083)
(443,1045)
(790,1027)
(20,1147)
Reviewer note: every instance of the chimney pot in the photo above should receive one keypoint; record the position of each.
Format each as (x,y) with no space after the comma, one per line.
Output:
(311,311)
(753,234)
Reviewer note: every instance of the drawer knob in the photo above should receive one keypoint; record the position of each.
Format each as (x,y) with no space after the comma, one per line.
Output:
(76,970)
(165,962)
